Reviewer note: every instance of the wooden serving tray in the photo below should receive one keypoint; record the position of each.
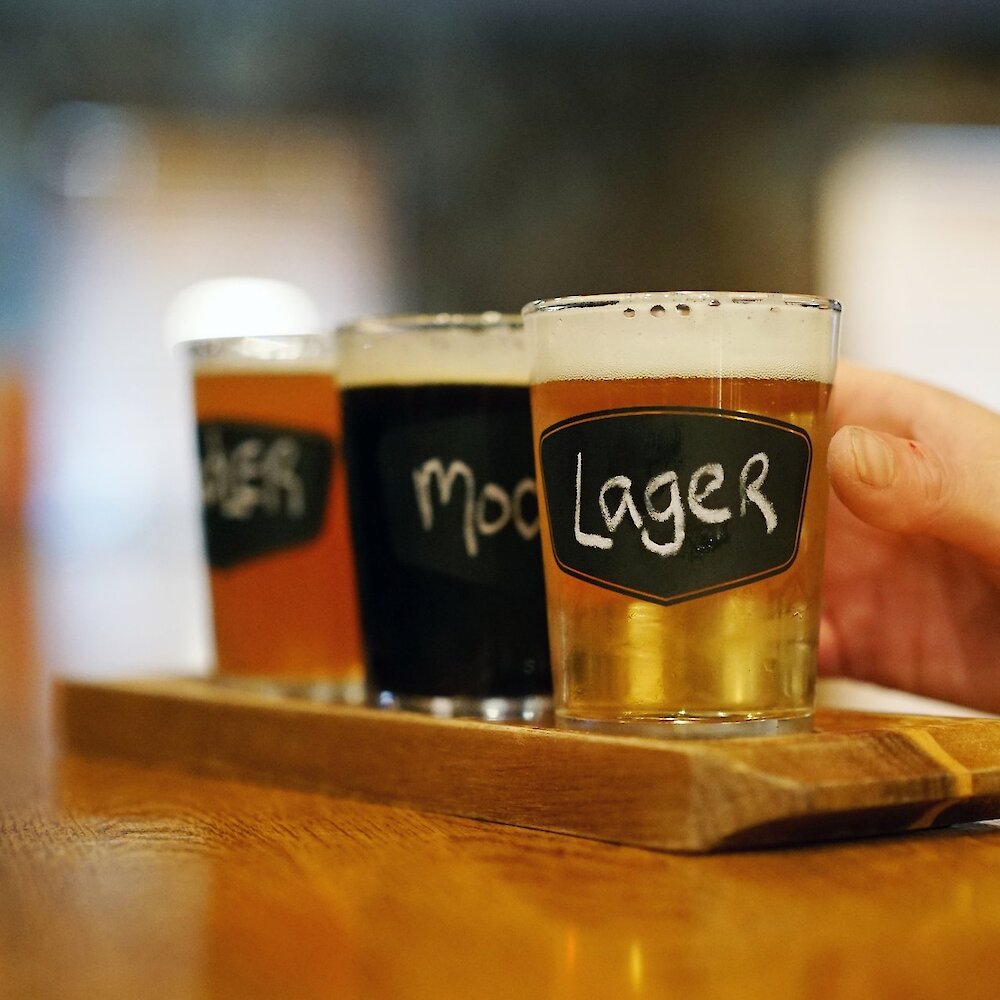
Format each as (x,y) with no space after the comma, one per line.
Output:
(856,775)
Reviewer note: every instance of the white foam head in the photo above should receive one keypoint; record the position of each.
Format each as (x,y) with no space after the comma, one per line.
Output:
(486,349)
(685,334)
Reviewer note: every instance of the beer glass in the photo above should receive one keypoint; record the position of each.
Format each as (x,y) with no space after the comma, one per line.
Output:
(681,443)
(274,506)
(444,514)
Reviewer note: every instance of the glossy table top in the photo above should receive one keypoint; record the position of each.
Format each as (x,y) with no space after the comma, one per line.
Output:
(123,881)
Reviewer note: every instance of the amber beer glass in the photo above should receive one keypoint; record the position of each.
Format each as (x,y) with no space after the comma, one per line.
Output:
(274,506)
(444,510)
(681,443)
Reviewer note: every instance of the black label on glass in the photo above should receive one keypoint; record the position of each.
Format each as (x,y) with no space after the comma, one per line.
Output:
(671,503)
(263,488)
(461,498)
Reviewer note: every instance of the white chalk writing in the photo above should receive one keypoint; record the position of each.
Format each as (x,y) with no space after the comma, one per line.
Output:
(703,482)
(485,512)
(252,477)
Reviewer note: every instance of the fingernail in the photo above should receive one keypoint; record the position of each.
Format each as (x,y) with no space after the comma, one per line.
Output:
(874,461)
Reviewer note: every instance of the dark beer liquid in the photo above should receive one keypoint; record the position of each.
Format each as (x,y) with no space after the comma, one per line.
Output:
(437,620)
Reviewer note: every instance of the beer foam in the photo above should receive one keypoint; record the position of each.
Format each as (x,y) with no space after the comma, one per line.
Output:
(443,350)
(309,354)
(683,334)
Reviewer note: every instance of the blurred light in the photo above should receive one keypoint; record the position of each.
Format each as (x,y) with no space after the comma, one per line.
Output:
(571,950)
(86,150)
(910,243)
(635,966)
(240,307)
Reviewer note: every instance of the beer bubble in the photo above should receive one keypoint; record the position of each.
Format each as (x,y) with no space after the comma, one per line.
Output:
(683,308)
(657,311)
(629,311)
(714,302)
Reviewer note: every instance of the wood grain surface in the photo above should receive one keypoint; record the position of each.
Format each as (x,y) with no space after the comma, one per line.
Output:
(126,880)
(858,775)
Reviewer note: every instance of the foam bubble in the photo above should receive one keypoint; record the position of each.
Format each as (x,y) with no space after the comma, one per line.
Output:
(686,334)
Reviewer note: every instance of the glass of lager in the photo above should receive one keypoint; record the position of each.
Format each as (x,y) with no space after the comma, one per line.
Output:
(274,508)
(681,443)
(444,514)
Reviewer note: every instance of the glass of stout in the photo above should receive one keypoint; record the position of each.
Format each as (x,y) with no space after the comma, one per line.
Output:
(444,514)
(681,443)
(274,508)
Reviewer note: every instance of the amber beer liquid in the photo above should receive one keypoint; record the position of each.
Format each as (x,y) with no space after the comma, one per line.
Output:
(275,510)
(697,638)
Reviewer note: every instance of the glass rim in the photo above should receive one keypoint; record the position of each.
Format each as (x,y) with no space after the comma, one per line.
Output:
(679,298)
(312,336)
(390,323)
(318,348)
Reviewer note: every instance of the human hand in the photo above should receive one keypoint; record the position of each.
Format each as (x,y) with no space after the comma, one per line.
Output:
(911,586)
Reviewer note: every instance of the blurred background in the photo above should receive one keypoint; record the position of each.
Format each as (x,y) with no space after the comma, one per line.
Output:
(376,156)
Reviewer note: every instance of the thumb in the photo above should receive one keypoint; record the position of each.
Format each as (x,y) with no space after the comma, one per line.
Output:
(902,485)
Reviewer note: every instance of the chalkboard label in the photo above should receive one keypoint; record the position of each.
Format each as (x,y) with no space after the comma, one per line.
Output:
(461,499)
(263,488)
(667,504)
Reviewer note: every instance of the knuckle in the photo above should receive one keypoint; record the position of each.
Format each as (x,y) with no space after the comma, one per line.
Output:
(937,484)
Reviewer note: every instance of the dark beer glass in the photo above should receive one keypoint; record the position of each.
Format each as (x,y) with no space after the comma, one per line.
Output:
(274,508)
(681,440)
(444,514)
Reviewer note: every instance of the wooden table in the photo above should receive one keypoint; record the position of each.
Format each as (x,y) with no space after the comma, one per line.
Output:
(118,880)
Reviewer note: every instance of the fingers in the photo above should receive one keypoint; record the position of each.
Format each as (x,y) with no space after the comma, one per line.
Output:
(830,658)
(890,402)
(899,484)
